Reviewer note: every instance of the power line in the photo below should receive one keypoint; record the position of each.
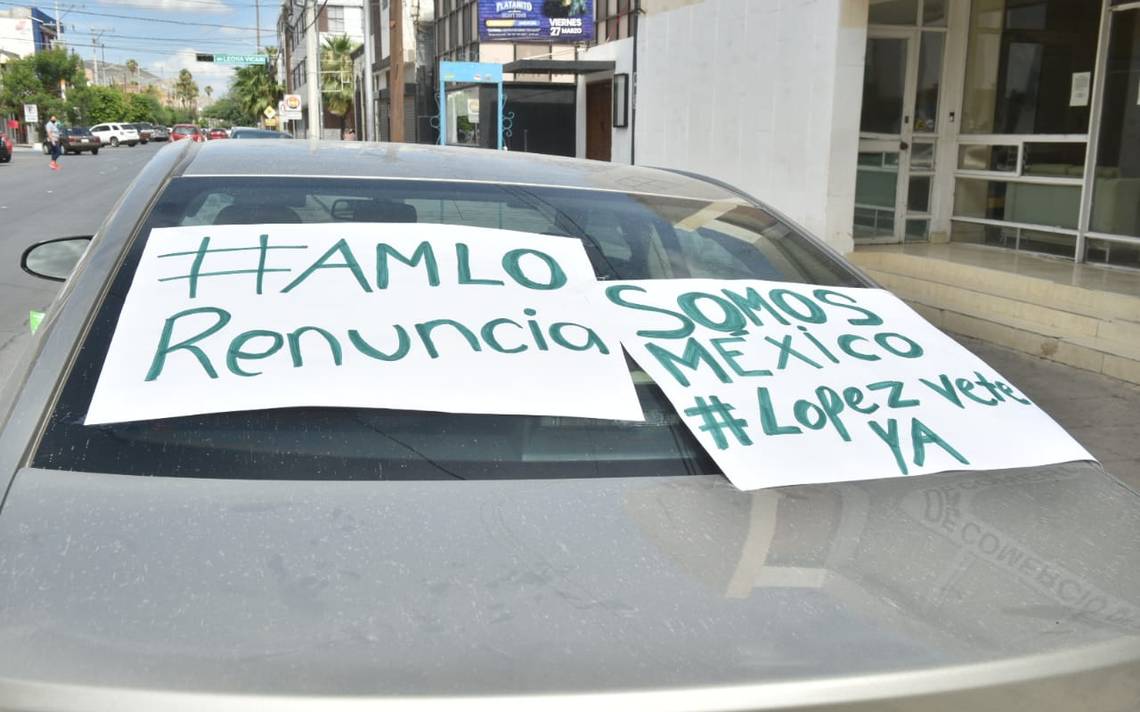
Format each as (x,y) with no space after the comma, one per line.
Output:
(183,40)
(213,25)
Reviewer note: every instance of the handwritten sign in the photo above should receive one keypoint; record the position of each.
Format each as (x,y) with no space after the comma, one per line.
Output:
(789,384)
(405,316)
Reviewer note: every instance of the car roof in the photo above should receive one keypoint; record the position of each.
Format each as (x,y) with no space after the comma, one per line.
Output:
(354,159)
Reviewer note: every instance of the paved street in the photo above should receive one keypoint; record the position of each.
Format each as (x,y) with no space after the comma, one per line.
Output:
(37,203)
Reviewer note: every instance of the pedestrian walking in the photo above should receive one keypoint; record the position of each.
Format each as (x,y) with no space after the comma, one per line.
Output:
(51,129)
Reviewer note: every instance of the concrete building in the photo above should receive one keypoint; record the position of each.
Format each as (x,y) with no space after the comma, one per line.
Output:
(334,18)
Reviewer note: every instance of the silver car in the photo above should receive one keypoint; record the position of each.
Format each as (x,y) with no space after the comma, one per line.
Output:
(344,559)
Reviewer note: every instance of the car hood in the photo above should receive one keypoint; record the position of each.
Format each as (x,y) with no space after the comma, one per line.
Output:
(160,588)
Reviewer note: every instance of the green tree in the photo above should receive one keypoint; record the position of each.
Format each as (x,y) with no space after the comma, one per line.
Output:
(226,110)
(97,104)
(337,77)
(143,107)
(254,88)
(186,89)
(42,79)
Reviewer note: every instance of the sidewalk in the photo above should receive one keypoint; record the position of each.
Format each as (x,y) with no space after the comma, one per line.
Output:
(1102,413)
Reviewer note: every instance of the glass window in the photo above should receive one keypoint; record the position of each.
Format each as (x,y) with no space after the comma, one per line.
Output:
(335,19)
(988,158)
(1059,160)
(1023,60)
(929,80)
(1052,205)
(1011,237)
(1119,254)
(627,236)
(922,156)
(893,12)
(934,13)
(916,230)
(1116,183)
(884,79)
(918,194)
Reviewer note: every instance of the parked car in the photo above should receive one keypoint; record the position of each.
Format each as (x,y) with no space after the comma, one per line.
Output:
(351,558)
(146,131)
(217,133)
(5,148)
(161,133)
(115,134)
(76,139)
(190,131)
(244,132)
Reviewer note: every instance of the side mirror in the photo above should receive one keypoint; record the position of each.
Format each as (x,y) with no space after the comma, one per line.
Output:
(54,259)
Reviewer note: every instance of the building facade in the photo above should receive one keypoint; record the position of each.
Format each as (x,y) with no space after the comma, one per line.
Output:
(335,18)
(25,31)
(1012,123)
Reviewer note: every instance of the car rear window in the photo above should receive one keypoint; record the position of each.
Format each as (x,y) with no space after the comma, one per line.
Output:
(627,236)
(79,131)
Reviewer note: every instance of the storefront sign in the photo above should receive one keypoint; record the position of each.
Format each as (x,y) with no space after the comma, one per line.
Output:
(31,113)
(536,20)
(381,315)
(789,384)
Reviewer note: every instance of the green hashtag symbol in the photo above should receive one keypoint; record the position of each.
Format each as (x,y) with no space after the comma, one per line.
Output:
(196,273)
(717,417)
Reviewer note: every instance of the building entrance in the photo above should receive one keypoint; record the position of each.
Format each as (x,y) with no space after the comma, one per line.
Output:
(898,129)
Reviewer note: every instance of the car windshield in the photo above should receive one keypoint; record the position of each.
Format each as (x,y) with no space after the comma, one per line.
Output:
(627,236)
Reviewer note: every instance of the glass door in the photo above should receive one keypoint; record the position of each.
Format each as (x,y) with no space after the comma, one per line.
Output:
(886,131)
(898,131)
(1114,225)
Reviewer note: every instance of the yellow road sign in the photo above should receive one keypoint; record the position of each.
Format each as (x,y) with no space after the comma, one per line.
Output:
(270,112)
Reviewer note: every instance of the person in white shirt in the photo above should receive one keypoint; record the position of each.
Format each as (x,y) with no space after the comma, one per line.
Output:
(51,129)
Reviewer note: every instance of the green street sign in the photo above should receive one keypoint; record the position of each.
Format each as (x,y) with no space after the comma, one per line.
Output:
(240,59)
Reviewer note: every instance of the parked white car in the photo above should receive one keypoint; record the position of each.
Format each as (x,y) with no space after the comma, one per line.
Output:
(114,134)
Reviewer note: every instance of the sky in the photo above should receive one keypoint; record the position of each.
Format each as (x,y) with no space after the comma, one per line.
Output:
(164,48)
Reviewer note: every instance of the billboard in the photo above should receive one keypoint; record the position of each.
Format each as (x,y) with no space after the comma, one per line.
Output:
(536,20)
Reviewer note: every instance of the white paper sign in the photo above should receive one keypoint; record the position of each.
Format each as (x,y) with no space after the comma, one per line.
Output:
(1079,89)
(789,384)
(381,315)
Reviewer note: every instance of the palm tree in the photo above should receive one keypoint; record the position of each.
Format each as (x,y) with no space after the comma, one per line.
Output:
(186,89)
(254,88)
(132,73)
(337,76)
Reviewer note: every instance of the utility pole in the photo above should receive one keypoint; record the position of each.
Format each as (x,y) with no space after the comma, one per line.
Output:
(57,31)
(369,45)
(257,21)
(312,68)
(396,70)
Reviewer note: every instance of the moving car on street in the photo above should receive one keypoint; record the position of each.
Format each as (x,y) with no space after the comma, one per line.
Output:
(115,134)
(343,558)
(186,131)
(217,134)
(76,139)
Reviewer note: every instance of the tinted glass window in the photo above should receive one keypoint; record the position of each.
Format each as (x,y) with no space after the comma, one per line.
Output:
(626,237)
(78,132)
